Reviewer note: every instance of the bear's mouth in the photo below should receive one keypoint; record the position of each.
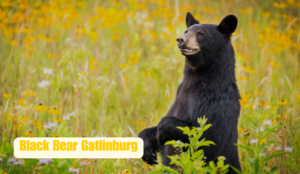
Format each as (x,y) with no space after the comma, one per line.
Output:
(187,51)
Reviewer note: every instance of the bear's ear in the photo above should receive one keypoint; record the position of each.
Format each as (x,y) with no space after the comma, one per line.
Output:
(228,25)
(190,20)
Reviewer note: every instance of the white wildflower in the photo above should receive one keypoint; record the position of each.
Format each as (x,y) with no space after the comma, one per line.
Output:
(290,149)
(50,125)
(12,160)
(267,122)
(1,159)
(82,163)
(44,84)
(262,154)
(48,71)
(18,163)
(70,115)
(278,148)
(253,141)
(261,129)
(73,170)
(44,161)
(99,78)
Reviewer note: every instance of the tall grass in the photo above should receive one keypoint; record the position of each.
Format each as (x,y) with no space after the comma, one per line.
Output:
(116,64)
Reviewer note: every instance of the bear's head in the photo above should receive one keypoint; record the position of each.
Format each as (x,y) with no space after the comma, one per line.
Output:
(204,44)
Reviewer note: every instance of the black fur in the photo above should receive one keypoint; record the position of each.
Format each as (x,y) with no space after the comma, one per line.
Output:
(208,88)
(190,20)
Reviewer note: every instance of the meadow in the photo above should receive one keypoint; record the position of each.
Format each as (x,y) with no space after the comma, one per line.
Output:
(111,68)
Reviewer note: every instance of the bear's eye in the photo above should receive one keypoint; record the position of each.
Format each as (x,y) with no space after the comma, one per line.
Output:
(200,33)
(185,31)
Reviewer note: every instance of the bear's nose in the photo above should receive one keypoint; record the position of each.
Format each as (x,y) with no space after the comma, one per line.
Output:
(181,41)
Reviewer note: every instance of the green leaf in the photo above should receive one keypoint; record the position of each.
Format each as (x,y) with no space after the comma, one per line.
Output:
(197,154)
(176,160)
(253,122)
(206,127)
(31,162)
(55,162)
(211,164)
(186,130)
(273,156)
(292,165)
(170,142)
(236,170)
(61,164)
(270,130)
(103,163)
(262,147)
(69,161)
(225,168)
(273,169)
(245,147)
(256,165)
(206,143)
(168,169)
(271,142)
(250,160)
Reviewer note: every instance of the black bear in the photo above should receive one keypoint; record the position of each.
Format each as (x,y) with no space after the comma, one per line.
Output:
(208,88)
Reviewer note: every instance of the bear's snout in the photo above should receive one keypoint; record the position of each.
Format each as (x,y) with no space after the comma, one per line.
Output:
(181,41)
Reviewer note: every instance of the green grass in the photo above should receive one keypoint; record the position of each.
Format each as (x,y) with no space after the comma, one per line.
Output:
(118,67)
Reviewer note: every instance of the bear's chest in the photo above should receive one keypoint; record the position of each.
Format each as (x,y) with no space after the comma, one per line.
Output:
(189,101)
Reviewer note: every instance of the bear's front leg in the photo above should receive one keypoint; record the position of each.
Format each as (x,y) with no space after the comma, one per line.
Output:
(167,130)
(151,146)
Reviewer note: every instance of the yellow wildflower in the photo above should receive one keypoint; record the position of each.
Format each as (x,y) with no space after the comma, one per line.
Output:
(263,140)
(241,129)
(279,5)
(242,78)
(246,10)
(273,122)
(147,73)
(40,126)
(17,126)
(29,93)
(54,111)
(13,43)
(279,116)
(57,120)
(139,122)
(266,14)
(115,37)
(147,167)
(92,66)
(24,119)
(124,65)
(274,64)
(21,100)
(29,134)
(125,172)
(7,95)
(52,55)
(274,23)
(11,118)
(283,102)
(83,73)
(40,108)
(252,24)
(257,92)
